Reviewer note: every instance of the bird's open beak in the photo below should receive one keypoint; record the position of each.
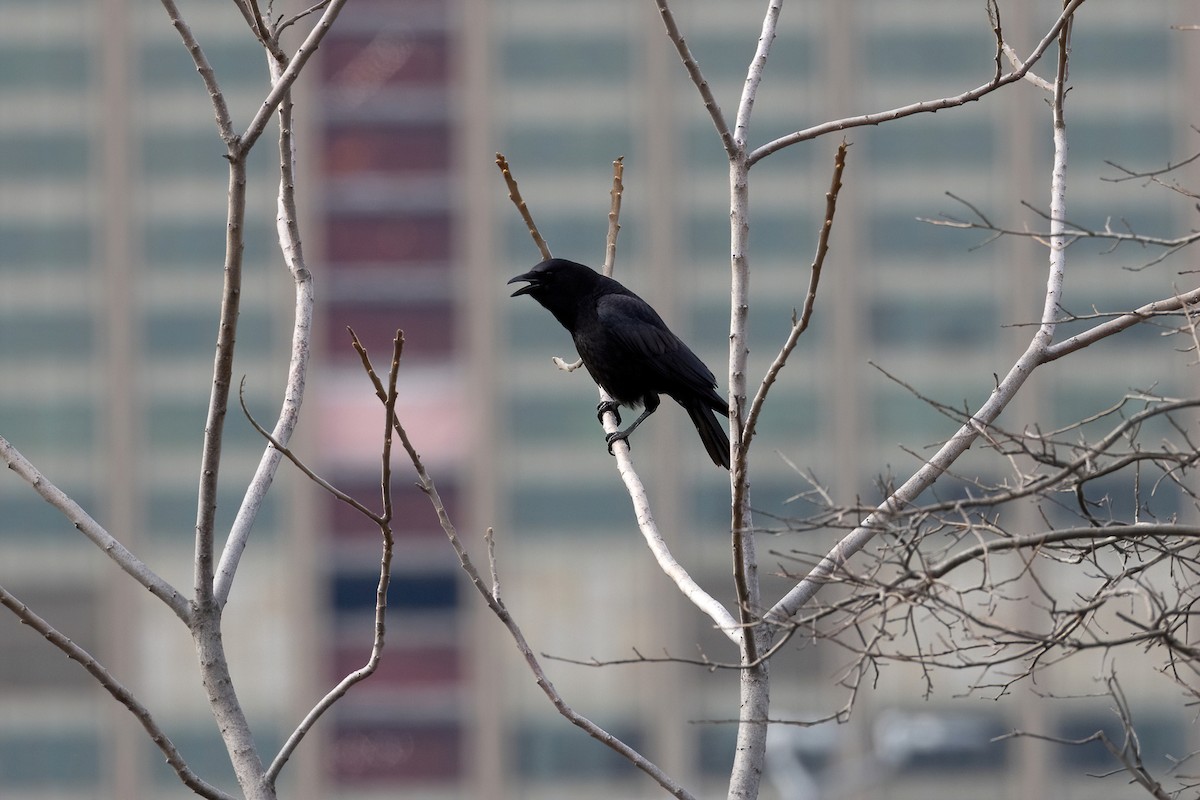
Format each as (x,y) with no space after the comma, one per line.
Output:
(532,283)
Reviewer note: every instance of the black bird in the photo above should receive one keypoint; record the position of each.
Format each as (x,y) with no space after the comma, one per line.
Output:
(628,349)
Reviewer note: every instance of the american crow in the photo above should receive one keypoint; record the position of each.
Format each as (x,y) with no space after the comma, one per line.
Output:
(628,349)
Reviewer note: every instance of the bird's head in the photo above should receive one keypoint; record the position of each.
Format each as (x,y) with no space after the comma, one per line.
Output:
(555,276)
(562,287)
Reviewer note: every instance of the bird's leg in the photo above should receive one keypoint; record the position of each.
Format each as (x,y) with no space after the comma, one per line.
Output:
(651,401)
(608,405)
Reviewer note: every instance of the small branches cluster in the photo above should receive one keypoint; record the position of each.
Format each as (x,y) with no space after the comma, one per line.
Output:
(1076,549)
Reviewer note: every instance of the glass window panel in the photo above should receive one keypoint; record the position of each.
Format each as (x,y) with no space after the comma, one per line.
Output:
(171,512)
(414,751)
(390,148)
(51,423)
(60,334)
(901,418)
(404,666)
(205,753)
(200,244)
(167,63)
(31,663)
(562,418)
(790,235)
(23,513)
(715,747)
(542,752)
(724,59)
(37,759)
(429,330)
(1121,51)
(573,509)
(1142,141)
(390,57)
(1159,735)
(925,52)
(926,742)
(549,147)
(31,65)
(354,592)
(407,238)
(175,333)
(44,154)
(44,244)
(595,59)
(413,514)
(945,323)
(933,143)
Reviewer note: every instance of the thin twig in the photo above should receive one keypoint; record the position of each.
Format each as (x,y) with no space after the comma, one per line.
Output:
(94,531)
(121,694)
(693,70)
(491,596)
(614,216)
(384,521)
(514,194)
(288,228)
(283,85)
(800,324)
(1036,353)
(923,106)
(215,95)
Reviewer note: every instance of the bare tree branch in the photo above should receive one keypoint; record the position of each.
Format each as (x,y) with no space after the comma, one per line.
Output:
(215,95)
(283,85)
(800,324)
(491,596)
(94,531)
(384,521)
(924,106)
(121,694)
(693,70)
(289,416)
(1037,353)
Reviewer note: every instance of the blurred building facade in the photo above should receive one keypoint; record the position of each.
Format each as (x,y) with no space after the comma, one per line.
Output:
(111,230)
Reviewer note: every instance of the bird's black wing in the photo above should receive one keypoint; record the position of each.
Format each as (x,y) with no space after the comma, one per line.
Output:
(646,340)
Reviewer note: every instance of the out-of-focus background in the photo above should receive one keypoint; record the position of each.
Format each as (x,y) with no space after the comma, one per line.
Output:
(112,200)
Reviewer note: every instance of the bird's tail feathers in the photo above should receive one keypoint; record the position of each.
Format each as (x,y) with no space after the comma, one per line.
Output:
(711,432)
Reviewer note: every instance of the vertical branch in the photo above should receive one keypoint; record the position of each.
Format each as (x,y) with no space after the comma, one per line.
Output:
(289,75)
(218,403)
(514,194)
(1058,195)
(288,229)
(614,216)
(800,323)
(754,683)
(755,72)
(384,522)
(693,69)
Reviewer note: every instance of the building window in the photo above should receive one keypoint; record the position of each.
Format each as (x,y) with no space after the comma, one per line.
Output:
(404,238)
(945,324)
(44,154)
(44,759)
(168,65)
(365,752)
(599,59)
(354,591)
(429,330)
(550,752)
(44,244)
(387,148)
(391,57)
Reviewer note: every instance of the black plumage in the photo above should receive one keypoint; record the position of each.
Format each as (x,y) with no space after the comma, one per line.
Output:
(628,349)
